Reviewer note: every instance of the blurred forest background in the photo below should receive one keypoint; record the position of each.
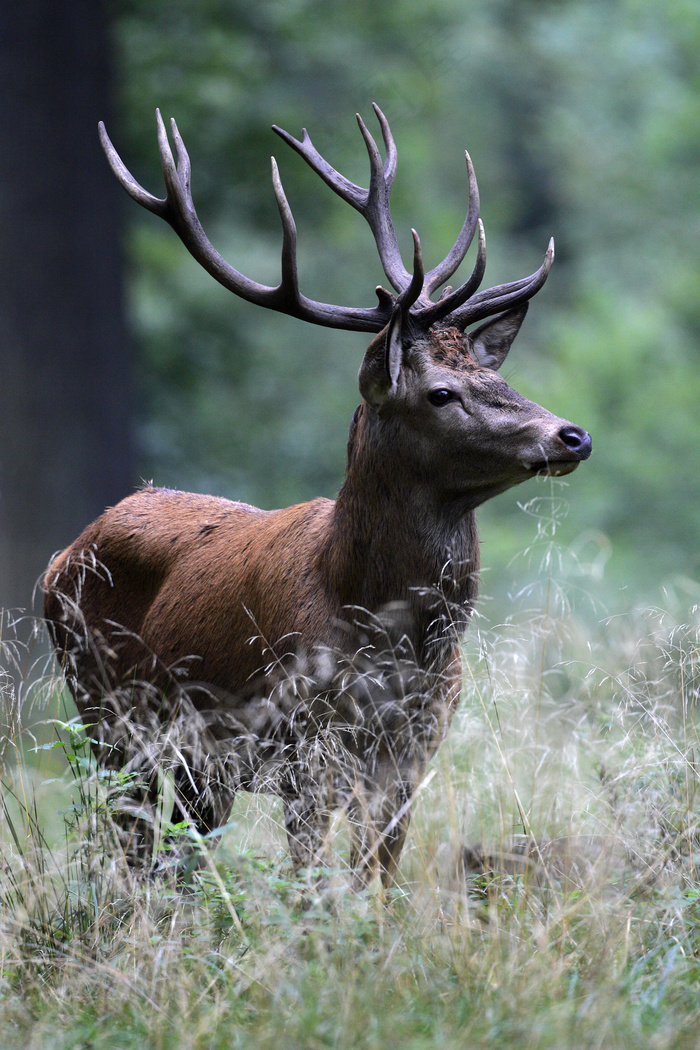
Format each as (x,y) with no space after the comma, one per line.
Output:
(582,118)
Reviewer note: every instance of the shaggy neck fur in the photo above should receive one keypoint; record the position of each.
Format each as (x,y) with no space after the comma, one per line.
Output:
(408,560)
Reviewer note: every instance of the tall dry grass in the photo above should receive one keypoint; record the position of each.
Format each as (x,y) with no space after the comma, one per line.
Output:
(549,893)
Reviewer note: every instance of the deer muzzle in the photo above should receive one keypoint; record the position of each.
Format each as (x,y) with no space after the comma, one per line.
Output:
(571,446)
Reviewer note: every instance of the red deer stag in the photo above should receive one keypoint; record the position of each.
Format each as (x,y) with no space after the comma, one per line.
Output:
(313,652)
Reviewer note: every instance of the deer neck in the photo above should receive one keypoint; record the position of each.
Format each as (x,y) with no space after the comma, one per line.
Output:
(396,549)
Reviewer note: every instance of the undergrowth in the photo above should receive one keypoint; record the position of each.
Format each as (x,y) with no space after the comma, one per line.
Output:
(549,892)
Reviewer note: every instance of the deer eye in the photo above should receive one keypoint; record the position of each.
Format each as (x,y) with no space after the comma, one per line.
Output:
(440,397)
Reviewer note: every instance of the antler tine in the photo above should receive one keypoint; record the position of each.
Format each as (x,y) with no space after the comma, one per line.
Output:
(377,211)
(348,191)
(290,279)
(503,296)
(444,270)
(182,216)
(454,299)
(178,177)
(414,289)
(391,155)
(127,180)
(293,302)
(372,203)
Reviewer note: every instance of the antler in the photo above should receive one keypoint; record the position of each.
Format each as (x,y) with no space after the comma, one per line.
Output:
(458,308)
(461,306)
(372,203)
(177,208)
(503,296)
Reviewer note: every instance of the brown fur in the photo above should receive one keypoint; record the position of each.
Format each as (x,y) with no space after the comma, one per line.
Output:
(451,351)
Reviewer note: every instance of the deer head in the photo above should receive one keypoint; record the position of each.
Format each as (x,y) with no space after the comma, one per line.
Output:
(424,368)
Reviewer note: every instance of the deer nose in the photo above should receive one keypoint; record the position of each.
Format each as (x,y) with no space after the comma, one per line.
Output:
(577,440)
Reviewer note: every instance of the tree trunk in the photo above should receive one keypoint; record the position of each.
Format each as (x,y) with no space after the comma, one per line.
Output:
(65,447)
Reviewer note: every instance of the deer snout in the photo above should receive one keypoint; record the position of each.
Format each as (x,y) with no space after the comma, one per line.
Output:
(576,440)
(560,452)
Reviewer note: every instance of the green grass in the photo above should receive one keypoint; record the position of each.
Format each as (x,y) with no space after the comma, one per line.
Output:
(577,735)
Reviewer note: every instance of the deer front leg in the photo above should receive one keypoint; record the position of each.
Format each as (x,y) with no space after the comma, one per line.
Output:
(378,824)
(205,801)
(307,823)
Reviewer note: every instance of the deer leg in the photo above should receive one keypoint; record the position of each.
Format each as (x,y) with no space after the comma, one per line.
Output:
(133,789)
(204,804)
(307,823)
(134,816)
(378,833)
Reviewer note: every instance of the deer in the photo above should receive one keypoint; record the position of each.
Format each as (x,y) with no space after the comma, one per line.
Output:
(313,652)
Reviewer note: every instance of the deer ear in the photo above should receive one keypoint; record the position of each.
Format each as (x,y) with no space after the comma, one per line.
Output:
(382,362)
(491,342)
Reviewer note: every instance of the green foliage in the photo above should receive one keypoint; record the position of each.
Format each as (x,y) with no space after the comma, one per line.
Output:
(581,119)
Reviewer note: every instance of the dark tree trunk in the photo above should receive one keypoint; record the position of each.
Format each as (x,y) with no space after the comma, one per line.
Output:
(65,449)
